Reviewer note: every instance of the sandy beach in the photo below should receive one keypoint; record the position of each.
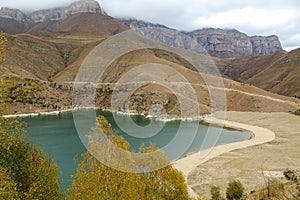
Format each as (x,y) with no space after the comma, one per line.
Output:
(274,147)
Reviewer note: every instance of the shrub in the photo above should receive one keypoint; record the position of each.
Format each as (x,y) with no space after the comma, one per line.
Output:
(215,193)
(235,190)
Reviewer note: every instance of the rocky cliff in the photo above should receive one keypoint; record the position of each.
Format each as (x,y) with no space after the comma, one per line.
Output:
(82,6)
(230,43)
(14,14)
(265,45)
(217,42)
(133,23)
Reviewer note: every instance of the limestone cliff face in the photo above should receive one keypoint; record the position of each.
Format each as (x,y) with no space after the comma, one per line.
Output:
(132,23)
(217,42)
(230,43)
(14,14)
(265,45)
(82,6)
(222,43)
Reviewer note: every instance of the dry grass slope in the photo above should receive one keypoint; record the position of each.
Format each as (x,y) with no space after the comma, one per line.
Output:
(278,73)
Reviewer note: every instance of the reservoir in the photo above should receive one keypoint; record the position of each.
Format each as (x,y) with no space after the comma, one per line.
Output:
(58,137)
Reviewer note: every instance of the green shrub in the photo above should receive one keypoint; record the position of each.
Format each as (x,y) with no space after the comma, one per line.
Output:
(235,190)
(215,193)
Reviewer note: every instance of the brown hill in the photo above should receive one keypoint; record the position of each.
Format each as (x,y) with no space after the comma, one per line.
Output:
(49,47)
(12,26)
(240,97)
(24,95)
(80,24)
(32,57)
(54,51)
(281,77)
(61,60)
(278,73)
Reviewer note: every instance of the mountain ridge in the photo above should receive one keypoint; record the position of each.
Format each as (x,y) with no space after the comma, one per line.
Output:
(217,42)
(222,43)
(53,14)
(82,6)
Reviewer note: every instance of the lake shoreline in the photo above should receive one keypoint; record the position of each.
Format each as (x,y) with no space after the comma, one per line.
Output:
(34,114)
(58,112)
(258,136)
(186,165)
(201,119)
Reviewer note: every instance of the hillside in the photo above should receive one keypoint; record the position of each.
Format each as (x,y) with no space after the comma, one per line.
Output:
(240,97)
(278,73)
(281,77)
(36,58)
(52,51)
(80,24)
(12,26)
(49,47)
(32,57)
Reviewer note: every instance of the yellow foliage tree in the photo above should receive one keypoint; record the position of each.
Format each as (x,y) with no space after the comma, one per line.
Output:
(164,183)
(94,180)
(34,175)
(3,42)
(7,186)
(25,173)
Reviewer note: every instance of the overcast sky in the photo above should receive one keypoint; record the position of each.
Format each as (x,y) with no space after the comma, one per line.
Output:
(253,17)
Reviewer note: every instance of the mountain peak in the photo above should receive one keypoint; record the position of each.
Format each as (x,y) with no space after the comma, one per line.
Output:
(15,14)
(82,6)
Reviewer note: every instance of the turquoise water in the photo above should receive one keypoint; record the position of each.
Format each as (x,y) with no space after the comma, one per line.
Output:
(57,136)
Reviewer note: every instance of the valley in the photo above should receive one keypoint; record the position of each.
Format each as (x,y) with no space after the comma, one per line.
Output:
(256,86)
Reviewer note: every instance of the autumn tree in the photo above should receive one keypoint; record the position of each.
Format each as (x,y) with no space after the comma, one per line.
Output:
(7,186)
(25,173)
(95,180)
(34,175)
(3,42)
(164,183)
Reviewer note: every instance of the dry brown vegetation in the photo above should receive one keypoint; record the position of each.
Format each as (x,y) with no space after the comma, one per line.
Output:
(54,51)
(278,73)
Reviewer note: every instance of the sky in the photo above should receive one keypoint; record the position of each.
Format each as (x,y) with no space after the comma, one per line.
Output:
(253,17)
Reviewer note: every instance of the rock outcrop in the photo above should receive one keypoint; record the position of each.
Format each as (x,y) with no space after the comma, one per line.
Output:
(230,43)
(14,14)
(82,6)
(217,42)
(265,45)
(133,23)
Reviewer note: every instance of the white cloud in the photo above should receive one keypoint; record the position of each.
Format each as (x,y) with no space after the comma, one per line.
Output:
(31,5)
(252,17)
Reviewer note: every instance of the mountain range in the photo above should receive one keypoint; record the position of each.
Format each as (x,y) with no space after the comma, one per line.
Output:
(50,45)
(217,42)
